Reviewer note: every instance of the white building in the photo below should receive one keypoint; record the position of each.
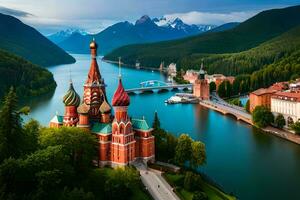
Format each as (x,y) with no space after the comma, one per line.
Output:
(288,104)
(172,70)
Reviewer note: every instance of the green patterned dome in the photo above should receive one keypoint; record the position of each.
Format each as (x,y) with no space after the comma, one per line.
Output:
(71,98)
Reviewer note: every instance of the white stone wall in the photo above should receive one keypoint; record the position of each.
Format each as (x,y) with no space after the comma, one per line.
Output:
(286,108)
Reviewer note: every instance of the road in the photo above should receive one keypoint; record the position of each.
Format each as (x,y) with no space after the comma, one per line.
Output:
(157,186)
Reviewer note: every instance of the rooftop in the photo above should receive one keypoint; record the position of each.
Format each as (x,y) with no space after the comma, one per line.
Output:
(288,96)
(263,91)
(100,128)
(140,124)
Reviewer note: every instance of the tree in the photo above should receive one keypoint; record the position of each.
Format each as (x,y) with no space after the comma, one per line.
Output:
(31,131)
(212,86)
(192,181)
(120,182)
(78,144)
(76,194)
(183,149)
(156,122)
(262,116)
(296,127)
(247,106)
(280,121)
(200,196)
(198,156)
(225,89)
(188,181)
(11,131)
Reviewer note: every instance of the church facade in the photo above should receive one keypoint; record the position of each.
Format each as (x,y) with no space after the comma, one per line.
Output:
(121,140)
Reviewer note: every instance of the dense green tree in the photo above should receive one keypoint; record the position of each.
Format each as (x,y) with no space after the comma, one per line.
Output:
(11,132)
(79,144)
(192,181)
(198,156)
(119,184)
(262,116)
(31,130)
(247,106)
(36,175)
(200,196)
(225,89)
(280,121)
(156,122)
(188,181)
(76,194)
(296,127)
(183,149)
(212,86)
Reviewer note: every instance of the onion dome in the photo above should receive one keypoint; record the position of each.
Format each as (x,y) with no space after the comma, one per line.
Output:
(71,98)
(83,109)
(105,107)
(121,97)
(93,44)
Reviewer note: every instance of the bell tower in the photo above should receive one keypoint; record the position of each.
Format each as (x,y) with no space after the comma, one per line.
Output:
(201,86)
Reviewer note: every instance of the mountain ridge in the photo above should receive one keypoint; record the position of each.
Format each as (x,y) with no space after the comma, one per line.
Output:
(249,34)
(144,30)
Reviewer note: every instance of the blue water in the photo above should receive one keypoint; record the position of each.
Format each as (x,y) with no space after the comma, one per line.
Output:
(252,165)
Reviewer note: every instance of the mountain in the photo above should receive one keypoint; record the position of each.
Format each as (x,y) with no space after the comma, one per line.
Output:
(62,35)
(28,79)
(23,40)
(185,52)
(144,30)
(224,27)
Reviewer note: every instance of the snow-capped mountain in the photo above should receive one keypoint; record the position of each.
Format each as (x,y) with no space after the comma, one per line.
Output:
(64,34)
(180,25)
(143,30)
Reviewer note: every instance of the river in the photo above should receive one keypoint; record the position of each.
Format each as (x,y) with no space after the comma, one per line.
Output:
(252,165)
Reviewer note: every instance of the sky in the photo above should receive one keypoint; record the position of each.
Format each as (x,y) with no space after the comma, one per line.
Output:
(49,16)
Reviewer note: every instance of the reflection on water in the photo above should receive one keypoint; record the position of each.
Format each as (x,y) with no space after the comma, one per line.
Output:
(243,160)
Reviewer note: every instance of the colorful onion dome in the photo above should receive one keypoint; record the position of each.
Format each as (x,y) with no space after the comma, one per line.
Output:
(121,97)
(105,107)
(83,109)
(71,98)
(93,44)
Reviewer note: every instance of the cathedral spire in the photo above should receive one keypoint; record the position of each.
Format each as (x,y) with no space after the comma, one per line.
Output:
(94,75)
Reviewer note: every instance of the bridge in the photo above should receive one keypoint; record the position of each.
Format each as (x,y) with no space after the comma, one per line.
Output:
(228,109)
(158,86)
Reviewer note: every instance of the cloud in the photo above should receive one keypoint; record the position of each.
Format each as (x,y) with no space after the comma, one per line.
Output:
(196,17)
(14,12)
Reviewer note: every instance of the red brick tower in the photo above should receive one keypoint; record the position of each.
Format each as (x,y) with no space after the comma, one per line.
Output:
(123,142)
(94,87)
(201,86)
(71,101)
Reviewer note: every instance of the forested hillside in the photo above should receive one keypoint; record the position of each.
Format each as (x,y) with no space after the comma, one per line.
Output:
(186,52)
(27,78)
(23,40)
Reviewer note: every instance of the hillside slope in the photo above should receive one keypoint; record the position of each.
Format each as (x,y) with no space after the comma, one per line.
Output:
(28,79)
(254,31)
(23,40)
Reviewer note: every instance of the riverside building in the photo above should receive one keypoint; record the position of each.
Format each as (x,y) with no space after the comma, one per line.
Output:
(201,86)
(286,103)
(121,139)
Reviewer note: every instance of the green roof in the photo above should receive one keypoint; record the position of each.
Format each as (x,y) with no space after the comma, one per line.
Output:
(100,128)
(58,119)
(140,124)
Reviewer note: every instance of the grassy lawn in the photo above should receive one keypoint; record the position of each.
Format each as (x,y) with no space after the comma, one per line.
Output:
(176,180)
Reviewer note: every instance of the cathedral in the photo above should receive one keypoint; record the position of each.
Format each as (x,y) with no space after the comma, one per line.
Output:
(121,139)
